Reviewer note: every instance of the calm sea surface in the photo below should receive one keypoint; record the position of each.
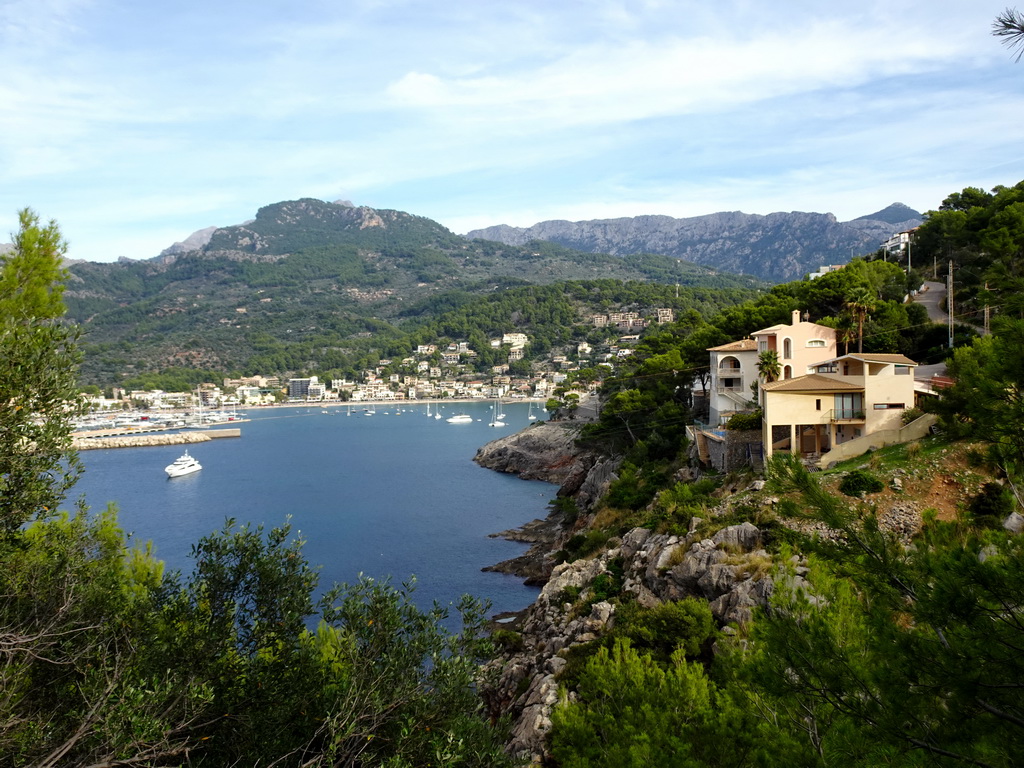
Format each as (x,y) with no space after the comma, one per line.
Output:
(393,495)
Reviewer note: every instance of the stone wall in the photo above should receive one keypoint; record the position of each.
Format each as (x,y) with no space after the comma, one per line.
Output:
(730,452)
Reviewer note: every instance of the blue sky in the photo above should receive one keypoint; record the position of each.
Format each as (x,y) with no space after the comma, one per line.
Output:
(134,124)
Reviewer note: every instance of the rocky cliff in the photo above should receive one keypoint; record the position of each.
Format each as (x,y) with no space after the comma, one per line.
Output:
(777,246)
(727,568)
(547,451)
(724,565)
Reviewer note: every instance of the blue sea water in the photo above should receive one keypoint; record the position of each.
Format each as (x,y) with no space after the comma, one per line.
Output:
(392,495)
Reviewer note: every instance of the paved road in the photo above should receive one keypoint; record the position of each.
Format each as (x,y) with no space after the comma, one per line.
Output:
(933,298)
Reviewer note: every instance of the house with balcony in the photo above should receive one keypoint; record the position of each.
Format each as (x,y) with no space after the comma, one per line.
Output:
(733,368)
(799,345)
(841,401)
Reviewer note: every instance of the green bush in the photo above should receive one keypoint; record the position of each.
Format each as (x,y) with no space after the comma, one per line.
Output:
(745,421)
(991,506)
(507,640)
(683,625)
(912,414)
(860,481)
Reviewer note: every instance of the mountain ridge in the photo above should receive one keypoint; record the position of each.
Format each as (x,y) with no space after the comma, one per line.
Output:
(776,246)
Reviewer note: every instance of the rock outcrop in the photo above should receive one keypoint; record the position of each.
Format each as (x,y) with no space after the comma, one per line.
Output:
(728,570)
(547,451)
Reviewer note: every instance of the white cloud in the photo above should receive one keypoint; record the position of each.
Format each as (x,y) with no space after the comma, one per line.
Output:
(196,114)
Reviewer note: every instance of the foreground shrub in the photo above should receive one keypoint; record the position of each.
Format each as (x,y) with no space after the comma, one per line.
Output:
(860,481)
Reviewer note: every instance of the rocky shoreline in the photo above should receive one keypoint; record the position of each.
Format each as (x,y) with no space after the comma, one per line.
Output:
(726,568)
(546,451)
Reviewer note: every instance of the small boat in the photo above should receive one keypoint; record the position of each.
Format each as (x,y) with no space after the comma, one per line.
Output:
(530,416)
(496,418)
(460,418)
(183,465)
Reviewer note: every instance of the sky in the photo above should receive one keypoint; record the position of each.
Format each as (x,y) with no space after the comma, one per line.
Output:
(135,124)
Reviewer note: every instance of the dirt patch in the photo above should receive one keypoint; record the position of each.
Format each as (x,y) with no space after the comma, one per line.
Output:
(944,480)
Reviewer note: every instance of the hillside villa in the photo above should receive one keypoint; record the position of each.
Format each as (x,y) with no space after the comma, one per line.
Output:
(842,399)
(799,345)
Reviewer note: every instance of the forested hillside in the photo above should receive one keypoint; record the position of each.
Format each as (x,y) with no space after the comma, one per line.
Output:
(982,235)
(313,286)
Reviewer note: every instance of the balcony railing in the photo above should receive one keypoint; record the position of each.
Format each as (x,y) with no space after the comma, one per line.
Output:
(735,385)
(846,414)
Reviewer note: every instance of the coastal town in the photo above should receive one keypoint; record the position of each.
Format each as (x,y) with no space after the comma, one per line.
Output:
(441,371)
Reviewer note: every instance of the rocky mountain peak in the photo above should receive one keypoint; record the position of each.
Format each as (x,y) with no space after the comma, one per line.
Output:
(777,246)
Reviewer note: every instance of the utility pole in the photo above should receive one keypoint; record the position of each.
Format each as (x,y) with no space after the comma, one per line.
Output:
(949,300)
(986,310)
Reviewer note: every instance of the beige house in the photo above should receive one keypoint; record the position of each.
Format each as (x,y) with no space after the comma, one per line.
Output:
(800,345)
(842,399)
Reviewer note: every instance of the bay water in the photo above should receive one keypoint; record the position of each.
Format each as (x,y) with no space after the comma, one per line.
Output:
(392,495)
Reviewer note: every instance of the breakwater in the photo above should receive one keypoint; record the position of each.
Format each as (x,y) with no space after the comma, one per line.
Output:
(141,441)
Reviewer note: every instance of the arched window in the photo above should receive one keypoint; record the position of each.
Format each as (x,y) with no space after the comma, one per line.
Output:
(787,372)
(815,342)
(787,349)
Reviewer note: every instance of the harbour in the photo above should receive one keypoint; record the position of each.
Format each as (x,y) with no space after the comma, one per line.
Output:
(393,496)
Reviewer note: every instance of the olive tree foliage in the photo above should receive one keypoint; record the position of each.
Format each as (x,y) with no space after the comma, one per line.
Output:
(38,364)
(106,661)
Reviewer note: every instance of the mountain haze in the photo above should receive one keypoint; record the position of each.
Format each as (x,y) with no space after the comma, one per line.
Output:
(776,247)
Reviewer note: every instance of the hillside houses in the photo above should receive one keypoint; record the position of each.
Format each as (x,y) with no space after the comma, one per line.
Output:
(823,406)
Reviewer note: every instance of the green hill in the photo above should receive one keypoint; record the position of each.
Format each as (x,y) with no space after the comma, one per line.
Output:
(313,285)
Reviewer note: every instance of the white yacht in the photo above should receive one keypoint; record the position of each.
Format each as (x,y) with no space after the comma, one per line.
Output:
(183,465)
(460,418)
(496,418)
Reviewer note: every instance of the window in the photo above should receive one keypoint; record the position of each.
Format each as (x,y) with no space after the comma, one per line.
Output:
(815,342)
(888,406)
(849,405)
(817,404)
(902,370)
(827,368)
(787,349)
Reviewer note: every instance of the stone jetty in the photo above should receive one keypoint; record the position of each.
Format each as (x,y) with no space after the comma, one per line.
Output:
(139,441)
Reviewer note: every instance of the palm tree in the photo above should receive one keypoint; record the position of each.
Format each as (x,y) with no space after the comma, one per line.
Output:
(768,365)
(860,301)
(845,333)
